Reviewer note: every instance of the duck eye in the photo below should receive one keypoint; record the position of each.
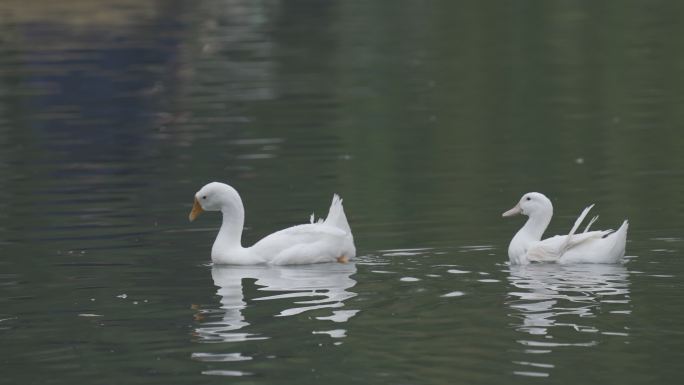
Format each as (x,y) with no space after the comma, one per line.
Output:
(529,199)
(204,197)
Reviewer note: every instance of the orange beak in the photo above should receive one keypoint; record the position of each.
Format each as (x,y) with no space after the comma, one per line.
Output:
(196,211)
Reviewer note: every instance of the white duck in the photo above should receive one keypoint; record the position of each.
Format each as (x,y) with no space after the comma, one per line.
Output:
(328,240)
(602,246)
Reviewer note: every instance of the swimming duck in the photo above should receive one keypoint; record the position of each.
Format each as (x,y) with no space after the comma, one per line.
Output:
(600,246)
(328,240)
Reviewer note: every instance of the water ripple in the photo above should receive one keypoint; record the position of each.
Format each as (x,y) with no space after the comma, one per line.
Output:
(546,300)
(325,286)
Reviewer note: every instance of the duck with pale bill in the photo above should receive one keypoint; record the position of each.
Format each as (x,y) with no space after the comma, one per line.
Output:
(599,246)
(328,240)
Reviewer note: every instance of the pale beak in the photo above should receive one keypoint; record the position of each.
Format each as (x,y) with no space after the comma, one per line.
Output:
(196,211)
(514,211)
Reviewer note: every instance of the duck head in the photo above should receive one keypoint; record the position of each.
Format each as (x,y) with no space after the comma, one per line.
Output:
(531,204)
(216,196)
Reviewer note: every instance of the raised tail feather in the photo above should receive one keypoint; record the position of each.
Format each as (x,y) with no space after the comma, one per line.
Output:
(591,222)
(336,216)
(312,219)
(618,248)
(578,222)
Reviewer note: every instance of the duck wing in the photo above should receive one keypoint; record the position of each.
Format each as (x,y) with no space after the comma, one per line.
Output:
(608,248)
(552,249)
(302,244)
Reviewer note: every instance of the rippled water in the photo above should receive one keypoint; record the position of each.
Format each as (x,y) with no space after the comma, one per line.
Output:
(429,119)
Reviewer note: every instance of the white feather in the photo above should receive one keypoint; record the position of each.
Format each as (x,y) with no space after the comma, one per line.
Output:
(603,246)
(327,240)
(591,222)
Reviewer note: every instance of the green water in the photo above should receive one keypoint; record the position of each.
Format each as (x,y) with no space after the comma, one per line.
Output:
(429,118)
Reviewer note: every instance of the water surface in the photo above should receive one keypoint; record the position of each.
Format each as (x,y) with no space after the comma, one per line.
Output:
(429,119)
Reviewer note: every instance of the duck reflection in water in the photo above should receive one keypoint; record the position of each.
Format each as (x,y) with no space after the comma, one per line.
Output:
(548,300)
(305,288)
(542,293)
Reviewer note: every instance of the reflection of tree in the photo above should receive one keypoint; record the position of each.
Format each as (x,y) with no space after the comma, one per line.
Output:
(481,99)
(75,106)
(386,104)
(306,288)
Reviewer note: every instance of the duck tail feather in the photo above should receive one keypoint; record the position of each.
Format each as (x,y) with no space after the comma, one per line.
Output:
(578,222)
(591,222)
(336,216)
(619,241)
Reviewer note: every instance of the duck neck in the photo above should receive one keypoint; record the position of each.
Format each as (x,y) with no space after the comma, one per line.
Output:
(230,234)
(535,226)
(531,232)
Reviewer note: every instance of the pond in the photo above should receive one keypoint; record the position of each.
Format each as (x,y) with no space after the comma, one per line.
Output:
(429,119)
